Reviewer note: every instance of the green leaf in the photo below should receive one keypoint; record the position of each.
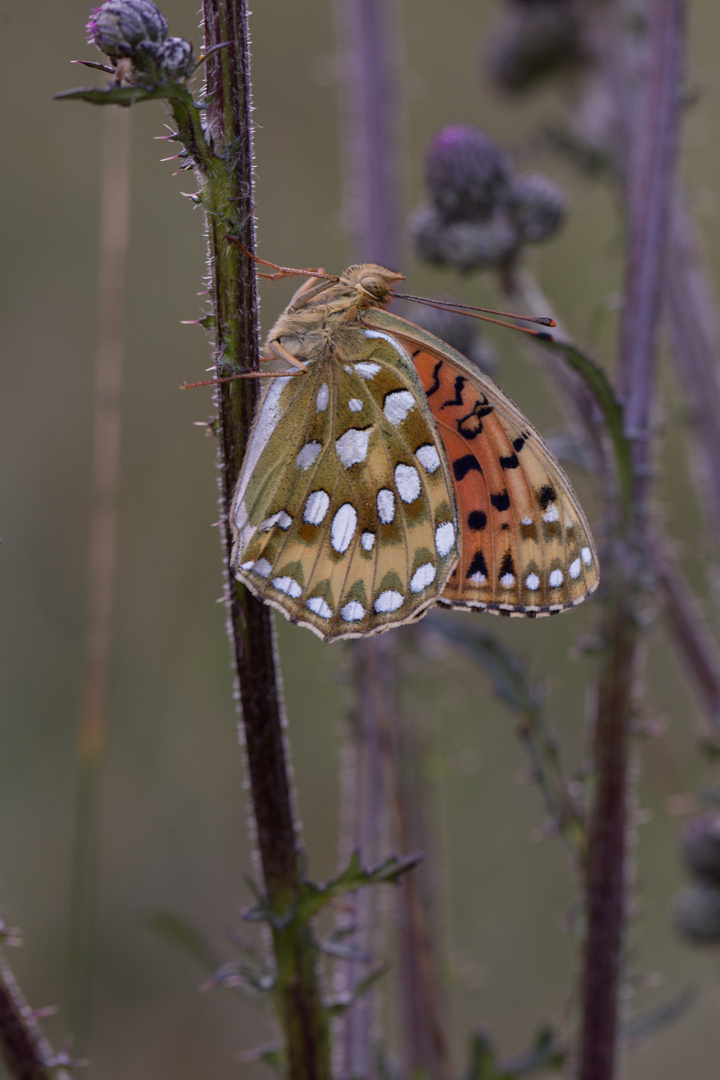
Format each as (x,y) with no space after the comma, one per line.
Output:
(339,1007)
(181,935)
(596,379)
(654,1020)
(505,668)
(546,1052)
(355,876)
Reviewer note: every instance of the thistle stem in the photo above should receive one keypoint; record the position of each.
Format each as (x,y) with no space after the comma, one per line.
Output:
(229,204)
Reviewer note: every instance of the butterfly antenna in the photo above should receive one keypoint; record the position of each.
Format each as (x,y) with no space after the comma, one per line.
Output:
(280,271)
(472,310)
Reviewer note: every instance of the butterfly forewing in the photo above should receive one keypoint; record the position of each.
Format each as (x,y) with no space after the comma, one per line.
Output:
(525,547)
(344,515)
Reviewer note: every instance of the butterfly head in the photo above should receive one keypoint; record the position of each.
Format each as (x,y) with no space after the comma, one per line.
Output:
(323,304)
(372,285)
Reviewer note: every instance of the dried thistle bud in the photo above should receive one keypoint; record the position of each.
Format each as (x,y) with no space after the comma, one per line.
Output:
(537,206)
(175,58)
(465,245)
(119,28)
(700,845)
(534,42)
(696,913)
(466,173)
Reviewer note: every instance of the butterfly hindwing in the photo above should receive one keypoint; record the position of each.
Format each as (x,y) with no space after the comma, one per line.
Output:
(526,547)
(344,515)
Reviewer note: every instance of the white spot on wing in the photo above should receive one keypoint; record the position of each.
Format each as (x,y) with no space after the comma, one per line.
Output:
(551,514)
(407,482)
(308,455)
(428,457)
(532,582)
(282,519)
(316,507)
(391,341)
(287,585)
(247,565)
(555,579)
(445,538)
(355,404)
(386,505)
(423,576)
(368,541)
(366,370)
(353,612)
(586,556)
(526,521)
(387,601)
(352,446)
(507,581)
(323,397)
(575,569)
(263,568)
(318,606)
(267,420)
(477,579)
(398,404)
(343,527)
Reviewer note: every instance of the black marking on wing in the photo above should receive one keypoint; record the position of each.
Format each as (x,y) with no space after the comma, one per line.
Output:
(509,462)
(462,466)
(507,566)
(546,495)
(460,381)
(477,565)
(436,378)
(477,520)
(518,443)
(470,426)
(504,527)
(501,501)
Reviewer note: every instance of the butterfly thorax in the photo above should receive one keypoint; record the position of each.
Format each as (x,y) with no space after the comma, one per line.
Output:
(320,308)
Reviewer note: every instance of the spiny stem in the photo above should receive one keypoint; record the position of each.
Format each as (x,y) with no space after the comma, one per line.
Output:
(229,202)
(649,190)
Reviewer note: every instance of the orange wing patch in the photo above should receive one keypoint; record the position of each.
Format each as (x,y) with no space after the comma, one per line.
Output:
(525,545)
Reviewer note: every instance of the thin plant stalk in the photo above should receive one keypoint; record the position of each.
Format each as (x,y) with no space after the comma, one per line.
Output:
(92,721)
(366,44)
(229,200)
(649,188)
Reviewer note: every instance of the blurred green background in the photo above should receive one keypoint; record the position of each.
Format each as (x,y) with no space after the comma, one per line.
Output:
(173,829)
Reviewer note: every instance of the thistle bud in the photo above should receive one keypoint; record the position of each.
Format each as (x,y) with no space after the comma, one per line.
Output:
(175,59)
(465,245)
(466,173)
(534,42)
(120,27)
(697,913)
(700,845)
(537,206)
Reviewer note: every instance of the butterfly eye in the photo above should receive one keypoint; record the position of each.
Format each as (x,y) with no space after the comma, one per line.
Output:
(375,286)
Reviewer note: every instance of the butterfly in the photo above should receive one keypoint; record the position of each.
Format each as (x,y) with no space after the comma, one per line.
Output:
(391,474)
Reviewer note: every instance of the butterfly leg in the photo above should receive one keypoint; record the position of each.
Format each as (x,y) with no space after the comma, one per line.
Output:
(300,369)
(280,271)
(283,354)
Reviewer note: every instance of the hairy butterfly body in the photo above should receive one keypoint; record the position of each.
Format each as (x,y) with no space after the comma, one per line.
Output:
(394,475)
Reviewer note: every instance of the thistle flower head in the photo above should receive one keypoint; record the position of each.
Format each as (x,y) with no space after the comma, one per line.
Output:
(120,27)
(466,173)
